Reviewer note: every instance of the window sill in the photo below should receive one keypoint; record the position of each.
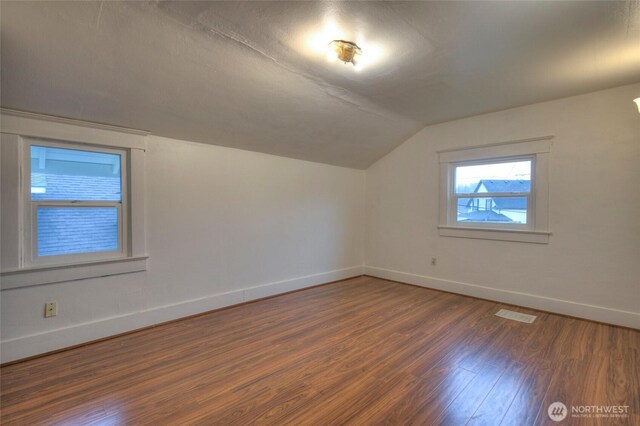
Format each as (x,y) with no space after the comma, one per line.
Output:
(537,237)
(49,274)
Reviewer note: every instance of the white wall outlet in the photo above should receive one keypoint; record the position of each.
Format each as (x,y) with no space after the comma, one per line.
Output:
(50,309)
(434,260)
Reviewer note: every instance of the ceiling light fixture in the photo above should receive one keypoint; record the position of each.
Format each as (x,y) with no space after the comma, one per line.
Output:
(637,101)
(346,51)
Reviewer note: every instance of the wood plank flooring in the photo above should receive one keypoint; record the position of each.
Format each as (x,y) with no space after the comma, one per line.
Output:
(363,351)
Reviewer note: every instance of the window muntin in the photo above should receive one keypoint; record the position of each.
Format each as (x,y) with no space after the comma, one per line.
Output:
(493,193)
(78,203)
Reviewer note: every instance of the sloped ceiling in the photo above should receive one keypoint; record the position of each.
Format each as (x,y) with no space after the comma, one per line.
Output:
(252,75)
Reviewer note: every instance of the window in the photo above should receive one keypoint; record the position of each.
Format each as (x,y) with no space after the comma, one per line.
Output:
(78,203)
(496,191)
(493,192)
(72,200)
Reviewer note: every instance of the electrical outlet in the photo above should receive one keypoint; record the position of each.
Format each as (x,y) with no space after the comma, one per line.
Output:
(50,309)
(434,260)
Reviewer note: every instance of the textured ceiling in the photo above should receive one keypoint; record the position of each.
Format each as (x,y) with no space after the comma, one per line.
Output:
(250,75)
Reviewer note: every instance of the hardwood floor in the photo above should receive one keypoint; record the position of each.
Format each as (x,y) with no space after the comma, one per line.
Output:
(362,351)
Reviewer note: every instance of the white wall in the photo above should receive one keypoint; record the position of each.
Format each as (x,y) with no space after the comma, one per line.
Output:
(222,224)
(590,268)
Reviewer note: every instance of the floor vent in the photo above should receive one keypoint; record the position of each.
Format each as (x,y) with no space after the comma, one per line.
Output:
(516,316)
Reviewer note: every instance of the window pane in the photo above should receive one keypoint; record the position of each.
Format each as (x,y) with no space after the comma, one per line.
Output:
(512,210)
(513,176)
(69,174)
(69,230)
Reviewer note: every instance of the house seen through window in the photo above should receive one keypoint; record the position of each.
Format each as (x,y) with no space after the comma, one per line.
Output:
(496,192)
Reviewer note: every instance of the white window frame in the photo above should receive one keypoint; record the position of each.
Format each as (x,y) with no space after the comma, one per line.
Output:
(536,230)
(19,129)
(30,254)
